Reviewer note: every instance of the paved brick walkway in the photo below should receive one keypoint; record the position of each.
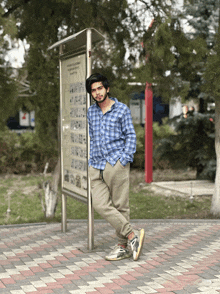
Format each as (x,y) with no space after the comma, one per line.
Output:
(181,256)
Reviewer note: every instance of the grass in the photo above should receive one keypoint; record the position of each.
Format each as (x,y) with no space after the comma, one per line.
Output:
(25,204)
(20,195)
(144,205)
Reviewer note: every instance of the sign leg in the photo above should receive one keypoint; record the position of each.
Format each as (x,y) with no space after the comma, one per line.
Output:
(89,196)
(64,220)
(90,224)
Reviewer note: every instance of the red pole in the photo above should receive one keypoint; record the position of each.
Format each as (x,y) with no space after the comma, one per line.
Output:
(148,133)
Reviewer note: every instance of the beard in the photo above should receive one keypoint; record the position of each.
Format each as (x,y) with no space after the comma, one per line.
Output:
(102,100)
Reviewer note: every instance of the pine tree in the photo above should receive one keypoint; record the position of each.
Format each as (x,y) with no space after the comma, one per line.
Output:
(202,18)
(170,59)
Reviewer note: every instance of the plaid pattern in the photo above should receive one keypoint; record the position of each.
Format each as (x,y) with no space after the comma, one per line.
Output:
(112,135)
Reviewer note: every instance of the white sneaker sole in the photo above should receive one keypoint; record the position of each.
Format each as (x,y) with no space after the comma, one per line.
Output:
(118,258)
(141,241)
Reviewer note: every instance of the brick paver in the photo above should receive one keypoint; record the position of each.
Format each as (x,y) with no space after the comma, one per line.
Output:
(179,256)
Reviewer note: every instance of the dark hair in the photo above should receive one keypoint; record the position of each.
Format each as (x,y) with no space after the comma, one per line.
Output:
(94,78)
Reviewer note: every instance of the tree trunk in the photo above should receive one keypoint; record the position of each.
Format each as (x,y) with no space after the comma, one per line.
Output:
(51,193)
(215,207)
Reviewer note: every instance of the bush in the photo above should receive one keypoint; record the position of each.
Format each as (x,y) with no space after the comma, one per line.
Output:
(159,132)
(139,156)
(193,145)
(9,150)
(25,153)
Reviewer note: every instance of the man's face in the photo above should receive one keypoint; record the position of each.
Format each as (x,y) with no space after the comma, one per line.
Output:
(99,92)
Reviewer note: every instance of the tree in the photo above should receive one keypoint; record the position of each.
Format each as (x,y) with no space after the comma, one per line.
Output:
(205,19)
(212,87)
(191,57)
(175,49)
(202,18)
(8,86)
(170,60)
(175,59)
(42,23)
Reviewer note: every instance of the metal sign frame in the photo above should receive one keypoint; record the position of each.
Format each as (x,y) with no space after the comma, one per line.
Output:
(74,46)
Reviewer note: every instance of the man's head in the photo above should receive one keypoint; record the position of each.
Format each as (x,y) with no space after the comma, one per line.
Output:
(97,86)
(94,78)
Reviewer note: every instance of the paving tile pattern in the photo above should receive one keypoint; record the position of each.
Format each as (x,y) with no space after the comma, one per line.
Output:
(181,256)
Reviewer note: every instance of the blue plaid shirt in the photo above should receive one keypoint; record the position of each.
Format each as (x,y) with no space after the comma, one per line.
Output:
(112,135)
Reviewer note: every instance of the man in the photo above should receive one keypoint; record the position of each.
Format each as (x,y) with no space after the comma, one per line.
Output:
(112,145)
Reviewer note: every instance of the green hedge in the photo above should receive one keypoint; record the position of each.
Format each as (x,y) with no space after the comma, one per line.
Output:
(192,145)
(25,153)
(159,132)
(189,142)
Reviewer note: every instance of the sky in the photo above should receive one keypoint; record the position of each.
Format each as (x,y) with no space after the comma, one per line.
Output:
(16,55)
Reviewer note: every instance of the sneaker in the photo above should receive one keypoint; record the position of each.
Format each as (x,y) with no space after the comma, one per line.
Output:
(118,253)
(137,243)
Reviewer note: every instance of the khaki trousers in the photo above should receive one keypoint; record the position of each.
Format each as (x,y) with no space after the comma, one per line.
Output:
(110,197)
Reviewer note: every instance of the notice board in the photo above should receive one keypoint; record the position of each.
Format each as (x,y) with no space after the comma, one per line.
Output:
(74,125)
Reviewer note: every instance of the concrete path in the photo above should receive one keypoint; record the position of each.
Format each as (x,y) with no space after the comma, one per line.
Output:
(179,256)
(184,188)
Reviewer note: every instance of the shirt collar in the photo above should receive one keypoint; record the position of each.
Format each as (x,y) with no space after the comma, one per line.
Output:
(112,98)
(116,101)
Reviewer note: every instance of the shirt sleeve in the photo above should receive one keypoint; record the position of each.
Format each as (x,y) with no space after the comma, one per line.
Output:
(130,138)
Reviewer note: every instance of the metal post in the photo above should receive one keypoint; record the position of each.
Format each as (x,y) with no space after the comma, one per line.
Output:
(64,220)
(149,134)
(89,196)
(64,198)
